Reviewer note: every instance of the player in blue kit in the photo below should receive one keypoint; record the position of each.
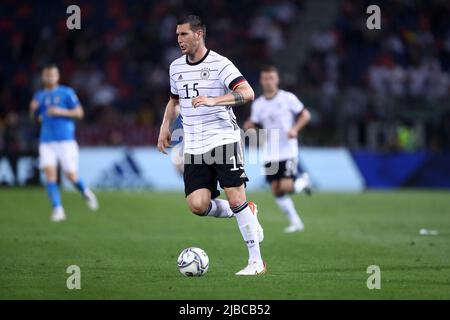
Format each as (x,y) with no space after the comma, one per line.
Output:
(57,107)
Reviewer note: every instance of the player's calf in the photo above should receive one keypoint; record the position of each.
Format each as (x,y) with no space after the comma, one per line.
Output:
(53,193)
(280,189)
(286,186)
(236,196)
(88,195)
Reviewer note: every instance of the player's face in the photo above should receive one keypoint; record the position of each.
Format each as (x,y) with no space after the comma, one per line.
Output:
(188,40)
(50,77)
(269,81)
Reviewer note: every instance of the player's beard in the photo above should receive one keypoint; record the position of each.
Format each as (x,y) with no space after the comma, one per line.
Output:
(192,50)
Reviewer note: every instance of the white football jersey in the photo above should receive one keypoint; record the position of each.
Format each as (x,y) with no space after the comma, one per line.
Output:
(277,115)
(205,127)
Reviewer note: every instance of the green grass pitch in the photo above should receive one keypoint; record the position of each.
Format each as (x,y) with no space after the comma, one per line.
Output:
(128,249)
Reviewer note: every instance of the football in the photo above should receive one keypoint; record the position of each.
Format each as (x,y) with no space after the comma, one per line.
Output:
(193,262)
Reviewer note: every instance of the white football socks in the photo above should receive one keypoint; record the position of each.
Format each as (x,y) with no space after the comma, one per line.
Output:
(220,208)
(247,225)
(287,206)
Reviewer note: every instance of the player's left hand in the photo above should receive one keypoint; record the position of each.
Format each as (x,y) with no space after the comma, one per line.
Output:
(202,100)
(292,133)
(56,111)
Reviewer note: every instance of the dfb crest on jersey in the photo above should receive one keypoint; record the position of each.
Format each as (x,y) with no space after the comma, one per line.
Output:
(204,74)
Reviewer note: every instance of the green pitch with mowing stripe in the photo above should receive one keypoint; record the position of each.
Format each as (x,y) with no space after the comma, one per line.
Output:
(128,250)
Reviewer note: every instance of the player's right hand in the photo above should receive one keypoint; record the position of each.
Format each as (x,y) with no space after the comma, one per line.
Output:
(292,133)
(164,139)
(56,111)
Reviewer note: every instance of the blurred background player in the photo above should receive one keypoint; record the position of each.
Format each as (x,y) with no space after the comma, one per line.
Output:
(57,107)
(283,115)
(205,86)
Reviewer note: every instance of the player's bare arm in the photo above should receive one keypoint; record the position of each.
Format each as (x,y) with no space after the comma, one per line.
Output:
(249,125)
(242,94)
(75,113)
(301,122)
(34,105)
(170,114)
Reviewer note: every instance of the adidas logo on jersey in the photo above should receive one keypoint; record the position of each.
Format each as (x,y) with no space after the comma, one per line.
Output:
(180,77)
(243,175)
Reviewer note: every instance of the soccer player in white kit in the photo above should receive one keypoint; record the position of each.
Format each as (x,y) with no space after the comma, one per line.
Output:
(283,116)
(205,86)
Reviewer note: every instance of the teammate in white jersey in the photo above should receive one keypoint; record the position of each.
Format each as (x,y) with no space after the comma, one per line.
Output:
(204,86)
(283,116)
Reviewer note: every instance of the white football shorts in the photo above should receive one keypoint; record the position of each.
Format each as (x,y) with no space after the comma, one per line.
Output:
(64,152)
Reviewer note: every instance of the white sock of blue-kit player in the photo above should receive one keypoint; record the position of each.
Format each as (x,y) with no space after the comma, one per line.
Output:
(287,206)
(248,226)
(220,208)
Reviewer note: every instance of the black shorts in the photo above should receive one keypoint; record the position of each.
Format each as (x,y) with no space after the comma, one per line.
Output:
(223,164)
(286,169)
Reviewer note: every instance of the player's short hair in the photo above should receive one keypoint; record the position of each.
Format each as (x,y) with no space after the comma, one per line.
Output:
(49,66)
(269,68)
(194,21)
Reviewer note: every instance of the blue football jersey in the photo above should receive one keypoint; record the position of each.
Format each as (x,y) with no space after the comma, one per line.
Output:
(55,128)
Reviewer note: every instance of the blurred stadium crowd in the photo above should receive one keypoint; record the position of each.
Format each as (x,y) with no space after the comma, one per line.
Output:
(352,77)
(395,77)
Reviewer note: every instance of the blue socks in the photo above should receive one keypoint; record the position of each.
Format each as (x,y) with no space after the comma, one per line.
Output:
(53,194)
(55,197)
(80,186)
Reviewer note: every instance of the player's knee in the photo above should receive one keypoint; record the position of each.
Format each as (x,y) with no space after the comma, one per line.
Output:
(71,176)
(198,206)
(50,174)
(51,179)
(275,187)
(286,188)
